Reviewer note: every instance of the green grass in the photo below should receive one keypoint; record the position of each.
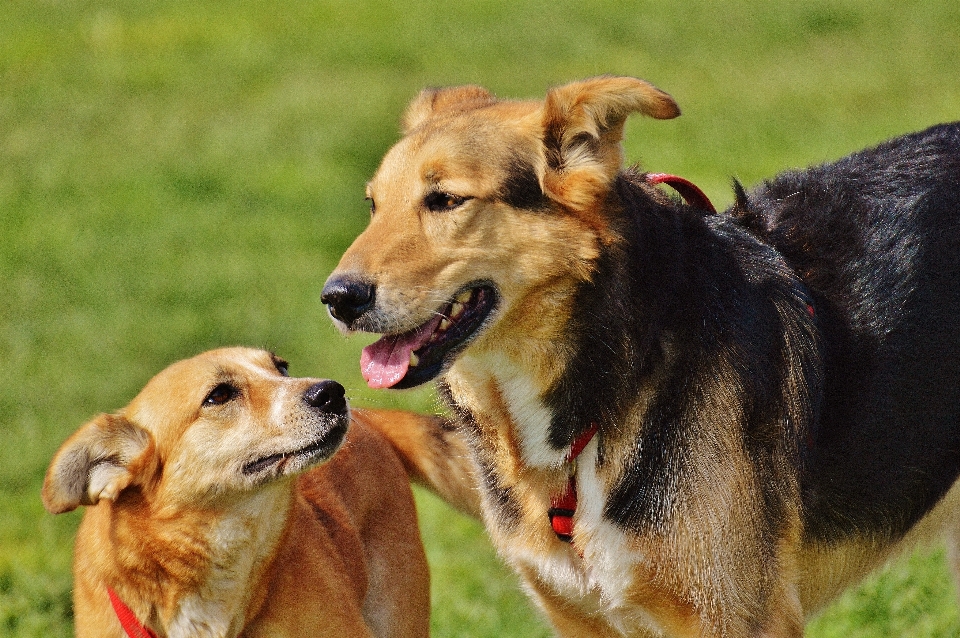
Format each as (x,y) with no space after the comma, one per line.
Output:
(179,175)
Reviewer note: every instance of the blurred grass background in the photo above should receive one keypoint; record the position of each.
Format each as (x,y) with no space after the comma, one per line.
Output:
(177,175)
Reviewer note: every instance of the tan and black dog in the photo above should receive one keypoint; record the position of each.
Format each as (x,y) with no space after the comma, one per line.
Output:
(199,524)
(685,423)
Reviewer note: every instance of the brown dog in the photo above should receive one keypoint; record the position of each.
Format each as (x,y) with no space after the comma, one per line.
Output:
(200,526)
(686,423)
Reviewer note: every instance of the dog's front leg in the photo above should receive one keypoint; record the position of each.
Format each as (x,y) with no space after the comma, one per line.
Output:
(783,624)
(784,612)
(571,620)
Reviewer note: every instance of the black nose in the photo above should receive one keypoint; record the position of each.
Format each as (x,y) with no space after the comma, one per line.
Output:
(327,396)
(348,298)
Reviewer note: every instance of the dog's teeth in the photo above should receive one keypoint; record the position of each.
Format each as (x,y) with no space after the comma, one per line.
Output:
(444,324)
(464,296)
(414,360)
(456,309)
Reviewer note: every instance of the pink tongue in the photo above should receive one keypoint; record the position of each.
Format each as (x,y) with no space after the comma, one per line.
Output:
(386,361)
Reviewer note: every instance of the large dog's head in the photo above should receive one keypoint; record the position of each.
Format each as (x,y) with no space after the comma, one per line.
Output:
(485,214)
(224,422)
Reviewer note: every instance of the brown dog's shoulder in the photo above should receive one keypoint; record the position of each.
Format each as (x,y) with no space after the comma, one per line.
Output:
(434,451)
(366,472)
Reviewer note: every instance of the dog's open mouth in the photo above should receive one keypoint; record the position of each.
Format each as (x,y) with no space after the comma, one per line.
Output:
(296,460)
(411,358)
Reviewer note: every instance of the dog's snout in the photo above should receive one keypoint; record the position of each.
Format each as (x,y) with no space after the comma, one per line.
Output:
(348,298)
(327,396)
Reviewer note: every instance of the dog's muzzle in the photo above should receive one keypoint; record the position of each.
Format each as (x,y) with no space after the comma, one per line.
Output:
(327,396)
(348,297)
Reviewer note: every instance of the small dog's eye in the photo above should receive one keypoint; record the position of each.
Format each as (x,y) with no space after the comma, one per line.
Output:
(282,366)
(439,202)
(373,205)
(221,394)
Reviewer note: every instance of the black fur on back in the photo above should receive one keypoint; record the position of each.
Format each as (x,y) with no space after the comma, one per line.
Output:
(688,305)
(875,237)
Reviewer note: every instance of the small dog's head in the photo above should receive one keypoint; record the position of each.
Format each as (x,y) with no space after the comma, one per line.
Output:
(484,210)
(221,423)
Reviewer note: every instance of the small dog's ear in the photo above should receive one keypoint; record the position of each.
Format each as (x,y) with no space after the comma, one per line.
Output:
(98,462)
(433,101)
(582,130)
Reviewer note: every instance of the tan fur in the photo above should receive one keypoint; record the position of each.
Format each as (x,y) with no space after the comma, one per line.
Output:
(433,455)
(675,582)
(196,548)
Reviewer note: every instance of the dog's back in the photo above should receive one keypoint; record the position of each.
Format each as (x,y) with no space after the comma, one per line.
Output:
(876,238)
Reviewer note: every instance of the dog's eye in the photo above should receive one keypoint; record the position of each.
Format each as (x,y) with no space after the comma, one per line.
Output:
(439,202)
(221,394)
(282,366)
(373,206)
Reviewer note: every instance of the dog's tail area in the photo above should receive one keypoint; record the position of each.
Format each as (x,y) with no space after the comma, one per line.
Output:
(434,453)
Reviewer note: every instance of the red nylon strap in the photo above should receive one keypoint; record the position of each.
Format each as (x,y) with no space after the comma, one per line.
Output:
(689,191)
(564,506)
(562,509)
(128,620)
(582,441)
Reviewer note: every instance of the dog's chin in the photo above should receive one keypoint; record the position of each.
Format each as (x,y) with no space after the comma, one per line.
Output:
(287,463)
(345,329)
(416,356)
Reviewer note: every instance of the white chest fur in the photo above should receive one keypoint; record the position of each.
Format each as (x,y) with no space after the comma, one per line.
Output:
(596,571)
(522,397)
(239,544)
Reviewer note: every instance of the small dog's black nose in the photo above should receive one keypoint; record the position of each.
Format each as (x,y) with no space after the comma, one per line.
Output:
(348,298)
(327,396)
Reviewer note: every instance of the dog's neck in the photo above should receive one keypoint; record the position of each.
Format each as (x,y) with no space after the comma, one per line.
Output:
(556,376)
(202,565)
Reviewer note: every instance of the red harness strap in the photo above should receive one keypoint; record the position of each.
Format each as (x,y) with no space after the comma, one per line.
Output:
(128,620)
(564,506)
(689,191)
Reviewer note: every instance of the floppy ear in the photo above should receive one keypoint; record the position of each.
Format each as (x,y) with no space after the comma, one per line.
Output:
(582,129)
(98,462)
(432,101)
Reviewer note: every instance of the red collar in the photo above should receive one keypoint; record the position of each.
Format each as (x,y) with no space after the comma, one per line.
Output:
(689,191)
(128,620)
(564,506)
